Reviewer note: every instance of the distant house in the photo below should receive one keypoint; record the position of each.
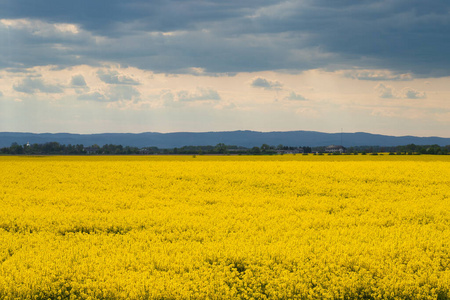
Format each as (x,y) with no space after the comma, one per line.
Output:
(90,150)
(335,148)
(144,151)
(294,151)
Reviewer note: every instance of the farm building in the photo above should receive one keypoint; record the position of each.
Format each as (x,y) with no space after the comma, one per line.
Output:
(335,148)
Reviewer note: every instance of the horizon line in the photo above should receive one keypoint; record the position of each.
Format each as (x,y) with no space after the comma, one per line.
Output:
(223,131)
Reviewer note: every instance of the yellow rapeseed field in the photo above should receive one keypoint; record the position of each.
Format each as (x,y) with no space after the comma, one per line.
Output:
(225,227)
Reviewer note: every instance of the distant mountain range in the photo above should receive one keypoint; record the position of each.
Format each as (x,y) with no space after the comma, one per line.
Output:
(238,138)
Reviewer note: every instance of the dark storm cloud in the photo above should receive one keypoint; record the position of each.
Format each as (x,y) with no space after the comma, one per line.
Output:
(107,17)
(404,36)
(29,43)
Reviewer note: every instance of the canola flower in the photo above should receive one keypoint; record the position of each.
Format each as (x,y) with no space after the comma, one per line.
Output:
(225,227)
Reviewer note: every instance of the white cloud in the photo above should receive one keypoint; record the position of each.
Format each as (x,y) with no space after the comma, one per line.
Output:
(410,93)
(115,93)
(376,75)
(388,92)
(40,28)
(295,97)
(113,77)
(231,102)
(168,99)
(443,117)
(78,81)
(183,98)
(122,93)
(33,85)
(261,82)
(201,94)
(93,96)
(226,105)
(308,112)
(401,113)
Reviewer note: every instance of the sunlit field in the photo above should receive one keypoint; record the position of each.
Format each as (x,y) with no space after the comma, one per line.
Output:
(225,227)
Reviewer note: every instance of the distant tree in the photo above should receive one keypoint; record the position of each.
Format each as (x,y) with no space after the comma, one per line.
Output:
(96,149)
(79,148)
(16,148)
(445,150)
(221,148)
(27,149)
(265,148)
(307,149)
(255,150)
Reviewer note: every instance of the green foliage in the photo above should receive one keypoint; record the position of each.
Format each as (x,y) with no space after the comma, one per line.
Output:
(54,148)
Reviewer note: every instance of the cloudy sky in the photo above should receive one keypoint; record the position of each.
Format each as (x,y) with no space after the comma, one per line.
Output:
(90,66)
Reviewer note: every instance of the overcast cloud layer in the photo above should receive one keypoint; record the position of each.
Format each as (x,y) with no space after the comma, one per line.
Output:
(230,36)
(197,65)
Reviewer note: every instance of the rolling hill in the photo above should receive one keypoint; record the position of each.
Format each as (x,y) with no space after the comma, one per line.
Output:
(238,138)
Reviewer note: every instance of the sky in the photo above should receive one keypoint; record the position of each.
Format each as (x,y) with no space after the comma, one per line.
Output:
(94,66)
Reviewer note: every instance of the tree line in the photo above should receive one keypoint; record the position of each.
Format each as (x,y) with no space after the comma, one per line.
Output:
(405,149)
(55,148)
